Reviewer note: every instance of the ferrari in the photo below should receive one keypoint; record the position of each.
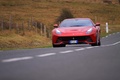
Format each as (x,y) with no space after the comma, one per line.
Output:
(76,31)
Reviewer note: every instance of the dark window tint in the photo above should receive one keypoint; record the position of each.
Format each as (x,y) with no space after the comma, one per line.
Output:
(76,23)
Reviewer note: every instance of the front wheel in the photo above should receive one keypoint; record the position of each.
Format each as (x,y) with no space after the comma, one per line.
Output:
(98,42)
(62,45)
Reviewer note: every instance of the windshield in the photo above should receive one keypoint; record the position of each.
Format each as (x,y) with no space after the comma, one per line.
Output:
(76,23)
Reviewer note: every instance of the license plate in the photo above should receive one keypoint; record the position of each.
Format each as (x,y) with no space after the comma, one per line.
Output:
(73,41)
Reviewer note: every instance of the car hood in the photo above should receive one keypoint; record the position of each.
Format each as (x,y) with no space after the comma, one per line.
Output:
(74,29)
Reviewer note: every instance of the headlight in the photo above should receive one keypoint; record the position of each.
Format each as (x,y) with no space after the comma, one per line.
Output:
(89,30)
(58,32)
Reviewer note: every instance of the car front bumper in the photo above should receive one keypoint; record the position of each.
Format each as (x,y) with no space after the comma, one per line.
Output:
(79,39)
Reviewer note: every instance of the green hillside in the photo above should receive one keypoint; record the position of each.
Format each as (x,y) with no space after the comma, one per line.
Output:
(46,12)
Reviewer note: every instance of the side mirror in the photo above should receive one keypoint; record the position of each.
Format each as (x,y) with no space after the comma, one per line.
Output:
(55,25)
(97,24)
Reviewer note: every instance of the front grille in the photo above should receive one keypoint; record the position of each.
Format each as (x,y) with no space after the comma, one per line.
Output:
(79,38)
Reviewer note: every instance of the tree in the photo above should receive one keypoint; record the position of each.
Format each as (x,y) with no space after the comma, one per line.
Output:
(119,1)
(65,13)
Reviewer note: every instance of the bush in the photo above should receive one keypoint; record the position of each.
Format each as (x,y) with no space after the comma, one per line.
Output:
(65,13)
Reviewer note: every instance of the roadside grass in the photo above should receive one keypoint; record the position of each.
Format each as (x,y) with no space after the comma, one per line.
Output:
(112,29)
(10,40)
(47,11)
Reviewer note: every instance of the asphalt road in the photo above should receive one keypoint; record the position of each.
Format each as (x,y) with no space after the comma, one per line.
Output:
(74,62)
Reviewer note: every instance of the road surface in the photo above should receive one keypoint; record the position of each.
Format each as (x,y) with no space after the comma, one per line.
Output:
(74,62)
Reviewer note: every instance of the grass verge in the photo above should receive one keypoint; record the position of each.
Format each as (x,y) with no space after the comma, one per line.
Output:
(47,11)
(10,40)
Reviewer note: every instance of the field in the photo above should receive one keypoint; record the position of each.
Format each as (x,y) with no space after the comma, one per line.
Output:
(47,11)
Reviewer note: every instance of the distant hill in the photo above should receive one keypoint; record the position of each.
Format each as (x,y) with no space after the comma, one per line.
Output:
(47,11)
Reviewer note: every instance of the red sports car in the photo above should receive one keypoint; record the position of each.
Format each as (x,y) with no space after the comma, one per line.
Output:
(76,31)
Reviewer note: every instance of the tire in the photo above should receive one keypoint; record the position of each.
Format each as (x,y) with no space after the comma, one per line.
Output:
(62,45)
(98,43)
(55,46)
(95,44)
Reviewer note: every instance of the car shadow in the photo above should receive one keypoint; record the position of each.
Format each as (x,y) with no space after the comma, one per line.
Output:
(78,45)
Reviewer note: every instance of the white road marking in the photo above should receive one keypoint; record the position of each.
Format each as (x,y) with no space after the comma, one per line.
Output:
(118,32)
(111,44)
(16,59)
(106,36)
(116,43)
(66,51)
(114,33)
(80,49)
(89,47)
(45,55)
(50,54)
